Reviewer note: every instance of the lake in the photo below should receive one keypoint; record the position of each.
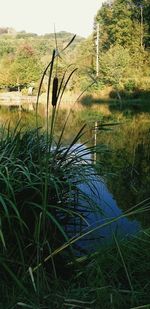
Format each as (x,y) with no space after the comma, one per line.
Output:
(123,162)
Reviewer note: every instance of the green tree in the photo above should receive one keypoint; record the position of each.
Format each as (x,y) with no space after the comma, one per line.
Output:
(113,65)
(5,70)
(141,12)
(6,47)
(26,67)
(124,42)
(124,22)
(104,18)
(83,57)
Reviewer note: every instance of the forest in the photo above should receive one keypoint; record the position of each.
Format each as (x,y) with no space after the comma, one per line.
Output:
(123,51)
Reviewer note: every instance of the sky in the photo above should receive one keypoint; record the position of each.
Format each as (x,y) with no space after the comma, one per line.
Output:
(39,16)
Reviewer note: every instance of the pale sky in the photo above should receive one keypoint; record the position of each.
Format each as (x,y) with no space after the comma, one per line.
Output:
(39,16)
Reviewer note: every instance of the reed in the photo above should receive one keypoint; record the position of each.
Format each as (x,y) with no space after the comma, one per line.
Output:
(38,178)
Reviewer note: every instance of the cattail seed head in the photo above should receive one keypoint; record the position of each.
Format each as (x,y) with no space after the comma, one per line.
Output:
(54,91)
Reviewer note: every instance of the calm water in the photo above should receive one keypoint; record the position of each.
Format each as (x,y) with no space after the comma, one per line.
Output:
(125,165)
(106,218)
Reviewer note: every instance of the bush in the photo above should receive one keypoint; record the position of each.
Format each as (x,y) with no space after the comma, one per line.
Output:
(130,85)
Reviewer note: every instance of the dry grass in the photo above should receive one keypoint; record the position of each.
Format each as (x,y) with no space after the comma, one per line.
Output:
(102,108)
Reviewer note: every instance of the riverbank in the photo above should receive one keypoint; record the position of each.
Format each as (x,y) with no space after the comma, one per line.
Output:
(105,100)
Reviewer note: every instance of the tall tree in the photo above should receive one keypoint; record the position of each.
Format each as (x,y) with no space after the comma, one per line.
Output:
(124,22)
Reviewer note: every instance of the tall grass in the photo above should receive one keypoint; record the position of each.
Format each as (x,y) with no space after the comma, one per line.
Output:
(38,180)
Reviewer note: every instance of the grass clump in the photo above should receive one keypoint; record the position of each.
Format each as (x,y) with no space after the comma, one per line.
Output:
(39,180)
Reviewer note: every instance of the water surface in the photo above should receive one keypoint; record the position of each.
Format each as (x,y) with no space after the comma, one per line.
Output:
(125,166)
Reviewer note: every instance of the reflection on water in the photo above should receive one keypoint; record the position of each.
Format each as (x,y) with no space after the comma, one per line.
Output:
(94,194)
(106,210)
(127,164)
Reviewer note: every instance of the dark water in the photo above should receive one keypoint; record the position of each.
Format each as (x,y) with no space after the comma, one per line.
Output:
(108,214)
(104,219)
(127,163)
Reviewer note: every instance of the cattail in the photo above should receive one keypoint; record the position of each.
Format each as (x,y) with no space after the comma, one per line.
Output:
(54,91)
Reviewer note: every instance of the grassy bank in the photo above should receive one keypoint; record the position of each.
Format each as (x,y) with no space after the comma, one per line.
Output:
(129,102)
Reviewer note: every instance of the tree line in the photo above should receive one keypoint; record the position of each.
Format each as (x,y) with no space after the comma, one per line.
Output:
(23,56)
(121,30)
(124,43)
(117,54)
